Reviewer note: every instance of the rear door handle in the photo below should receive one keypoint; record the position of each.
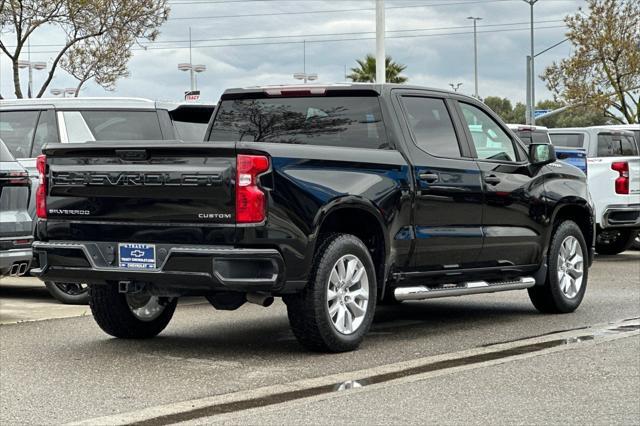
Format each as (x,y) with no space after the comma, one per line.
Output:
(492,180)
(429,177)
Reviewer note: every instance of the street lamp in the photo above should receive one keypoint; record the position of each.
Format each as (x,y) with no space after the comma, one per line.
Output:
(475,51)
(38,66)
(64,92)
(305,76)
(192,69)
(455,86)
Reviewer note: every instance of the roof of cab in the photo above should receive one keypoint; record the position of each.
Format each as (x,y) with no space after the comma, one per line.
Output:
(335,87)
(94,103)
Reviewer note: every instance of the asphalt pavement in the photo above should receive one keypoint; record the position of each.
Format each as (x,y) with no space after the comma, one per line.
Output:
(66,370)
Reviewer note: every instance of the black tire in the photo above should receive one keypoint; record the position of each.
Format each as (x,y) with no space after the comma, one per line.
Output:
(112,313)
(612,242)
(308,311)
(636,242)
(549,298)
(68,293)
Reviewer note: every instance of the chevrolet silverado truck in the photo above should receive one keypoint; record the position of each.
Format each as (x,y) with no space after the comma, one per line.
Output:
(335,198)
(613,176)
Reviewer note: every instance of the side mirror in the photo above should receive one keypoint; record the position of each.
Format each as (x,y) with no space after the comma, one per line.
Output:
(541,154)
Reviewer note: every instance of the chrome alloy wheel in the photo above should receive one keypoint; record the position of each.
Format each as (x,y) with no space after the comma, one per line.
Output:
(145,307)
(348,294)
(570,267)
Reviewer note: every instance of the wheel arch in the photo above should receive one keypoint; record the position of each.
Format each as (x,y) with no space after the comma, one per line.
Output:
(580,212)
(361,218)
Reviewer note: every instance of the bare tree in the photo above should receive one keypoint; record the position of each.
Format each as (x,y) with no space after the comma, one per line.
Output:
(91,26)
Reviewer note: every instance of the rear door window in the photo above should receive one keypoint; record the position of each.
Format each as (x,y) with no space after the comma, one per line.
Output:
(331,121)
(16,131)
(568,140)
(113,125)
(612,145)
(431,126)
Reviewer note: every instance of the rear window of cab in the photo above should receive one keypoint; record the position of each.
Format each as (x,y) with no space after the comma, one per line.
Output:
(341,121)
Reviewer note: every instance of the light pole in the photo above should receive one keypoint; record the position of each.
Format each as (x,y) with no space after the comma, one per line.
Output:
(38,66)
(304,75)
(475,52)
(532,75)
(381,57)
(455,86)
(191,67)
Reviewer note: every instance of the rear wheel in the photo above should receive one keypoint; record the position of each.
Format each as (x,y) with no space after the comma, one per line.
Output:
(335,310)
(566,280)
(636,242)
(614,241)
(69,293)
(130,316)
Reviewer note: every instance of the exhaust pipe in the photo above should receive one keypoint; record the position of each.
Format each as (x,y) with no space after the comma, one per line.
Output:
(23,269)
(263,300)
(13,272)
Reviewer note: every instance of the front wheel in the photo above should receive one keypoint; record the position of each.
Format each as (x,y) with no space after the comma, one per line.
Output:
(614,241)
(566,280)
(335,310)
(69,293)
(130,316)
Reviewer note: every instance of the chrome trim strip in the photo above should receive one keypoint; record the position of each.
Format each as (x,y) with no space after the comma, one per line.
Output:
(472,287)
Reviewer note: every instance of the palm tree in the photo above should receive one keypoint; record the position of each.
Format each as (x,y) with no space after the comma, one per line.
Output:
(366,71)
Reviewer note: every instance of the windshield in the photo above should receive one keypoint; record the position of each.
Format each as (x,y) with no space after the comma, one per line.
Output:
(332,121)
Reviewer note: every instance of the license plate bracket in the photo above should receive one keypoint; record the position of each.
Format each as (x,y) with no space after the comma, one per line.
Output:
(136,256)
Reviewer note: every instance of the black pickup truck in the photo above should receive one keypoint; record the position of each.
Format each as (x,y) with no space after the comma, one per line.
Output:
(334,198)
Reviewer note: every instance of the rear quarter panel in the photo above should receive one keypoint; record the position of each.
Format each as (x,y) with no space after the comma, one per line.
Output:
(307,183)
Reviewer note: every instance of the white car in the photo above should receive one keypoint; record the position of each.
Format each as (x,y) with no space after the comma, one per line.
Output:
(613,175)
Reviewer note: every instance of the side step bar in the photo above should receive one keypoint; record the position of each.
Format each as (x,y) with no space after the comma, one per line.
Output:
(472,287)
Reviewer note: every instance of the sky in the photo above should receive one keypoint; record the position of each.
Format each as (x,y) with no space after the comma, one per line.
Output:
(433,38)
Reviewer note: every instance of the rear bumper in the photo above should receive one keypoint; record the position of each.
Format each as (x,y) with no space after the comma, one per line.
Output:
(621,216)
(181,268)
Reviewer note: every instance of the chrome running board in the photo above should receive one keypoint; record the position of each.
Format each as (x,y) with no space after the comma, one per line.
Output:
(422,292)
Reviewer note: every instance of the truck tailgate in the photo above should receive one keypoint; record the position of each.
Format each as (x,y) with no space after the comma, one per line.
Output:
(157,182)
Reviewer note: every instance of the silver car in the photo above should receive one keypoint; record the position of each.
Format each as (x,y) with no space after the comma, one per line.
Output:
(15,221)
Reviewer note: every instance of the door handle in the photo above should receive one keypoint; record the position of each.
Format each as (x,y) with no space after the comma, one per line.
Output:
(429,177)
(492,180)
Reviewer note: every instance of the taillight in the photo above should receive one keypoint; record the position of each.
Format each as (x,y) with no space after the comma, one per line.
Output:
(250,199)
(41,192)
(622,182)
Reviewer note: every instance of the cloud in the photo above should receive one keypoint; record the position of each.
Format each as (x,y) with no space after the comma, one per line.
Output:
(434,60)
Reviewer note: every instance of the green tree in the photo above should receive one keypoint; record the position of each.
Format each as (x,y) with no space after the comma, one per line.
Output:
(99,34)
(365,72)
(603,72)
(501,106)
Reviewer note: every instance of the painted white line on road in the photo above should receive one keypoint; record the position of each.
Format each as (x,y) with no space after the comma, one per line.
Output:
(232,403)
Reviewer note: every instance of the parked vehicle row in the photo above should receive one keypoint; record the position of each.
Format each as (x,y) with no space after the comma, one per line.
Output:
(613,172)
(26,125)
(335,198)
